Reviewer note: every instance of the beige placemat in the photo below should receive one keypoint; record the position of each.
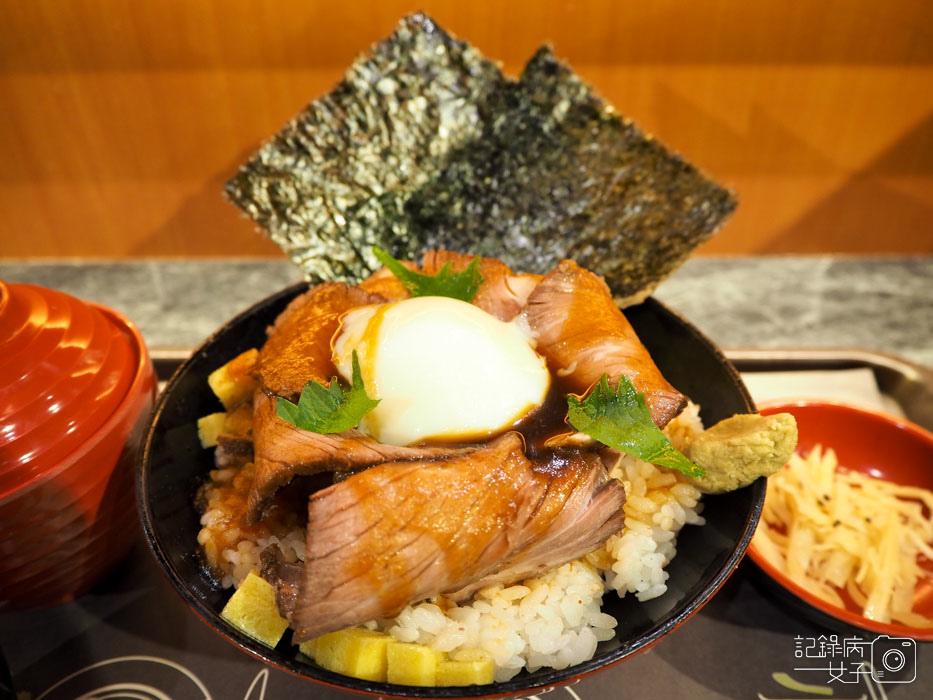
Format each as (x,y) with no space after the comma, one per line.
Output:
(852,386)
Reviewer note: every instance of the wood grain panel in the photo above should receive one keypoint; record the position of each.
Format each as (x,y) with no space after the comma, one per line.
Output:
(119,122)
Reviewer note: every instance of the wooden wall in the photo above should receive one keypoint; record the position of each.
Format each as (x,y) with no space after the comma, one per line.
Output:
(120,120)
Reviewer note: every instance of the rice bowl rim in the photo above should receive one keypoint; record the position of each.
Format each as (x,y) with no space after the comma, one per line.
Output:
(522,684)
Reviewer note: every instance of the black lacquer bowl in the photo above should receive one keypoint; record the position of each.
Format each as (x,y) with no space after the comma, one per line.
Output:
(174,465)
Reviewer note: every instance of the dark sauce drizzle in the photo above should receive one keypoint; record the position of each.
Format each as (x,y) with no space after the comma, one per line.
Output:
(545,422)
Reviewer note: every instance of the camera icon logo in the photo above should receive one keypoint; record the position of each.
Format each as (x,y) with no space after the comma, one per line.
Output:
(893,659)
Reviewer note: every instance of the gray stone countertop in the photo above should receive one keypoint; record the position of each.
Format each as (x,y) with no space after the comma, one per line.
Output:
(731,649)
(877,303)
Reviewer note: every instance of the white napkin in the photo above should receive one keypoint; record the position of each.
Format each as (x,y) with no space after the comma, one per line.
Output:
(852,386)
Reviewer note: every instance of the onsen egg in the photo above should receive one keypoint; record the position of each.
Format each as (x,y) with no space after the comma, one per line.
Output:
(443,369)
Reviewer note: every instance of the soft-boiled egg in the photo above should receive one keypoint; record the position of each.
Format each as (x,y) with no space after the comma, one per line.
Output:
(443,369)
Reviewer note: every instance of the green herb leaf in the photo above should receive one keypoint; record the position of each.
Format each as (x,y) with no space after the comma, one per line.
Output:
(330,409)
(621,420)
(457,285)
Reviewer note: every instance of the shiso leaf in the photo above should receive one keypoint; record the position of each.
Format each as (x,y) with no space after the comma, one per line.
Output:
(425,144)
(621,420)
(456,285)
(330,409)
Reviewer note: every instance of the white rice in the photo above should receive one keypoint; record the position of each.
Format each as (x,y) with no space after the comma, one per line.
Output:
(230,550)
(552,621)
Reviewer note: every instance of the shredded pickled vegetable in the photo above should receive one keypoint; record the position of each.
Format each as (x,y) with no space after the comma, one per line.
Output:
(835,531)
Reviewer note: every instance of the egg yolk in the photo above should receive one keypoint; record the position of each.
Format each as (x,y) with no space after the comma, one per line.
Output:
(443,370)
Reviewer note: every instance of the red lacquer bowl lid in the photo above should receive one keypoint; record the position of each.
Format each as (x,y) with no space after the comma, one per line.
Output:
(65,368)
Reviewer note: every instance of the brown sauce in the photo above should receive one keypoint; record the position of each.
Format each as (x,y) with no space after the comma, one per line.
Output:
(537,427)
(546,421)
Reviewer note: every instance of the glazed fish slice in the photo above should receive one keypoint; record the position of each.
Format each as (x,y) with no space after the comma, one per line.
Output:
(401,532)
(333,183)
(376,541)
(583,334)
(298,348)
(502,293)
(587,514)
(282,452)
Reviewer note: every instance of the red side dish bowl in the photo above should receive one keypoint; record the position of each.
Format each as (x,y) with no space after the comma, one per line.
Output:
(879,445)
(76,387)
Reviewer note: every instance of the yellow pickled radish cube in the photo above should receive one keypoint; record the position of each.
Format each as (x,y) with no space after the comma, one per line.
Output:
(355,652)
(209,427)
(479,672)
(367,657)
(412,664)
(233,382)
(309,648)
(330,650)
(252,609)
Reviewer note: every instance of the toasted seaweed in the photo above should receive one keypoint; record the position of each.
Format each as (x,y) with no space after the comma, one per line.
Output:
(457,156)
(557,174)
(334,181)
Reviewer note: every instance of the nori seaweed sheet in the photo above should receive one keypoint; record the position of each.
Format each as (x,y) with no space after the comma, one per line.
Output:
(557,174)
(458,156)
(333,183)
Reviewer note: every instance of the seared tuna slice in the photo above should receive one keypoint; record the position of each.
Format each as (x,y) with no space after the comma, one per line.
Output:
(583,334)
(401,532)
(283,451)
(502,293)
(298,348)
(589,512)
(384,283)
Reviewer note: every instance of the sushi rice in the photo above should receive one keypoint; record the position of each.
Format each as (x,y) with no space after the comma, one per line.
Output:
(552,621)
